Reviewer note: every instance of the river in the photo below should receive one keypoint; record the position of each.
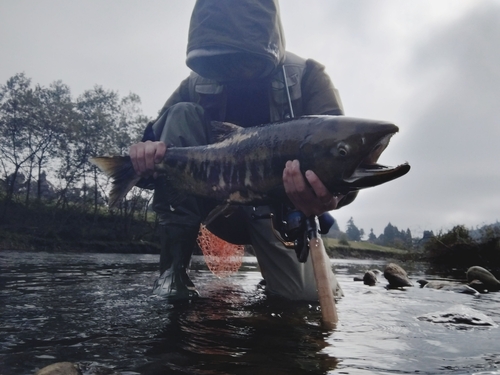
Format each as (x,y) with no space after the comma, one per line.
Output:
(97,310)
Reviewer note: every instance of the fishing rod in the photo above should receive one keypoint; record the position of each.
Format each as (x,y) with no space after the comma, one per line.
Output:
(315,246)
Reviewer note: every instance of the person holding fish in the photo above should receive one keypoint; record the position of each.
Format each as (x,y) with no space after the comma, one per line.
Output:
(241,74)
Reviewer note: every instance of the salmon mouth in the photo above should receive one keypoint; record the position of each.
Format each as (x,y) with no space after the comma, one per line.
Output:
(369,173)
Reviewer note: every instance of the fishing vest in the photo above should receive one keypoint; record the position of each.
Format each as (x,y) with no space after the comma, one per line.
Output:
(212,95)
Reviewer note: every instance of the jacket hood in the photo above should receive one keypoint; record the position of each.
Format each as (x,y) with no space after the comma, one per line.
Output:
(235,39)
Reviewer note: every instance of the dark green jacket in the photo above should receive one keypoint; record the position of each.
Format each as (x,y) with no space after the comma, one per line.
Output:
(311,91)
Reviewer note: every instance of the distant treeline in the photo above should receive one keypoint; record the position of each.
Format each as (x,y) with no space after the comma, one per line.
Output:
(391,237)
(459,246)
(47,138)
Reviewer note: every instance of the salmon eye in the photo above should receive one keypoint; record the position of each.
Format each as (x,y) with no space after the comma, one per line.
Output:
(342,150)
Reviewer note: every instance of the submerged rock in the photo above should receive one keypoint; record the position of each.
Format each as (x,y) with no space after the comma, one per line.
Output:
(60,368)
(460,317)
(447,285)
(69,368)
(489,281)
(396,276)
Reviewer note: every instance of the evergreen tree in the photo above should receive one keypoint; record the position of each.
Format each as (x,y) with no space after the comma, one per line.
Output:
(352,232)
(390,233)
(372,237)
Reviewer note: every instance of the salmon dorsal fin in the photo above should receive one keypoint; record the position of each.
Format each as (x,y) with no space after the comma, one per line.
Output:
(223,130)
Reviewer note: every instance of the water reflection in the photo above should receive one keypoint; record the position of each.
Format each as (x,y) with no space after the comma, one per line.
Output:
(239,338)
(98,310)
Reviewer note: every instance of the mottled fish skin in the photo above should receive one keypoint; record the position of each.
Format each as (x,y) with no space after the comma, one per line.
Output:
(246,166)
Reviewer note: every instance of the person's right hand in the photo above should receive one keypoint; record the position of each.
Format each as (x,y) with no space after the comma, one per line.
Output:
(144,156)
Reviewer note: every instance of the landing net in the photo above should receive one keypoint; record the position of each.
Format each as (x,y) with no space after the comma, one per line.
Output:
(222,258)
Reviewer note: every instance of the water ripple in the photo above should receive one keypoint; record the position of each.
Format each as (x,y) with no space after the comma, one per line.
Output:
(97,310)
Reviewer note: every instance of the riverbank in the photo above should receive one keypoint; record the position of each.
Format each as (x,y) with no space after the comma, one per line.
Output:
(29,242)
(365,250)
(44,227)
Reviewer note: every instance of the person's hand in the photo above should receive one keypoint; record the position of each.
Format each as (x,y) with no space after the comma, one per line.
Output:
(144,156)
(311,200)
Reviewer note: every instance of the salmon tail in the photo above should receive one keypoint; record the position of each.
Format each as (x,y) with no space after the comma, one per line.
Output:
(122,174)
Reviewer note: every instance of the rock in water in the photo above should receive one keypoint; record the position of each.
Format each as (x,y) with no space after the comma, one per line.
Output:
(460,317)
(369,278)
(59,368)
(396,276)
(448,286)
(78,368)
(484,276)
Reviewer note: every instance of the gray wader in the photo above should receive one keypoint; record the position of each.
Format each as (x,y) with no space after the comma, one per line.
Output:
(185,124)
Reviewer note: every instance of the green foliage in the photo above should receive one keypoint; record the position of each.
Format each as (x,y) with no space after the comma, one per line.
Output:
(352,231)
(457,235)
(490,233)
(458,247)
(394,237)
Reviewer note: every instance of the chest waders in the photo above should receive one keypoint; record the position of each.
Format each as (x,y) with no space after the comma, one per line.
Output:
(182,125)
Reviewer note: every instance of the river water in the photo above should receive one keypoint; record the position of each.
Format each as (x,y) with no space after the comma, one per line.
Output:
(97,310)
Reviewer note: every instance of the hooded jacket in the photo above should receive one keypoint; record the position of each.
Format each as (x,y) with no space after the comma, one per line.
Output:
(221,30)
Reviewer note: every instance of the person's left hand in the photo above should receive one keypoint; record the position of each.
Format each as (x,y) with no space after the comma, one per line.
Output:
(313,200)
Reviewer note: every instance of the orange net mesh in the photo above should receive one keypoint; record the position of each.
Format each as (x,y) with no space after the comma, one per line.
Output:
(222,258)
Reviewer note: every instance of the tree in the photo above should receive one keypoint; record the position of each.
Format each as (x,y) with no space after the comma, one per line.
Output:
(352,232)
(390,233)
(45,135)
(131,123)
(53,118)
(372,237)
(99,111)
(16,124)
(392,236)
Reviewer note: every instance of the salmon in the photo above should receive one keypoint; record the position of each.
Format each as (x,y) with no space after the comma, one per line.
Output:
(245,166)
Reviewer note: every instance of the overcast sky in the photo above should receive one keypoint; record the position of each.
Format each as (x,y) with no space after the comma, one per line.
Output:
(432,67)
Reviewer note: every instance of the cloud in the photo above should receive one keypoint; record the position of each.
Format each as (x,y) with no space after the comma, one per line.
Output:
(122,45)
(457,100)
(441,88)
(452,139)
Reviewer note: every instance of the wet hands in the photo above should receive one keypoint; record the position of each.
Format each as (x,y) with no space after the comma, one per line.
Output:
(311,200)
(144,156)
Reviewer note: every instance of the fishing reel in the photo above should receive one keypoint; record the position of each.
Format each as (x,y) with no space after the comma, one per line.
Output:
(296,230)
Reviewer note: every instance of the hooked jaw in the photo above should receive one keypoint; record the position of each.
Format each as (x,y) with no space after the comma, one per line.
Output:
(369,173)
(372,157)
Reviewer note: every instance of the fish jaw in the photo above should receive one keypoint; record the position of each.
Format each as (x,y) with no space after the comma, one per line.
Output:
(369,173)
(375,174)
(344,156)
